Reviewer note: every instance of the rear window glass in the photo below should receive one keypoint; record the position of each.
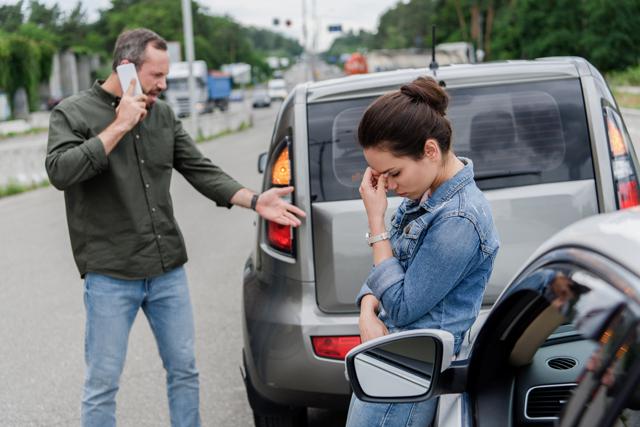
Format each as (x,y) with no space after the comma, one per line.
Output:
(516,134)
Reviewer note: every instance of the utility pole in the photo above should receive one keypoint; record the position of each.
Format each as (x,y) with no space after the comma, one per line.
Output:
(187,25)
(305,41)
(314,41)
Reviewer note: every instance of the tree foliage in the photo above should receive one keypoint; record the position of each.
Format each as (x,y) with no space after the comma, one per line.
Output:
(351,42)
(218,39)
(604,32)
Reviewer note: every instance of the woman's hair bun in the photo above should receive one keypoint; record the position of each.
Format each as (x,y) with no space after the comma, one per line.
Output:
(428,91)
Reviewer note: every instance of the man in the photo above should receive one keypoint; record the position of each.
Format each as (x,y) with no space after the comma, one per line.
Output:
(113,153)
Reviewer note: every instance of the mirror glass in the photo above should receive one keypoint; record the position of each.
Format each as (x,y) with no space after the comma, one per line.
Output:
(401,368)
(262,162)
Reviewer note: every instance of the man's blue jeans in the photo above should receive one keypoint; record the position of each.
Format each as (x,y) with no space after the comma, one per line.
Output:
(111,306)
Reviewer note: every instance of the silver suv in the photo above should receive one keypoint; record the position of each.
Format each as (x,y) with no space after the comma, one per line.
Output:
(549,147)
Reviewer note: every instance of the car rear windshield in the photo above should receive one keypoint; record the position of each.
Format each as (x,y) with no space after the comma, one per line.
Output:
(516,134)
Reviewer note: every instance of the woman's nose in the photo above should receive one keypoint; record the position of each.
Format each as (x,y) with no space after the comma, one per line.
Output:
(391,184)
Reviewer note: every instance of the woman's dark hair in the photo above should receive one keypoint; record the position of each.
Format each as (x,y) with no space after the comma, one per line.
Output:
(401,121)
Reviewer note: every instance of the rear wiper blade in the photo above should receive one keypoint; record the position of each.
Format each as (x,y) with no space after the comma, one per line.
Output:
(505,174)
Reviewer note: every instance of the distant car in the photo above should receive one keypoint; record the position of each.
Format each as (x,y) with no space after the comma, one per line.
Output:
(260,99)
(237,95)
(561,346)
(549,148)
(277,89)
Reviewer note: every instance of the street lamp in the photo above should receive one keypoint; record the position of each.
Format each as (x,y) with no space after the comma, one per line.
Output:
(187,25)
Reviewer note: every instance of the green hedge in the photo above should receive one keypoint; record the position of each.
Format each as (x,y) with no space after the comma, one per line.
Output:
(628,77)
(24,62)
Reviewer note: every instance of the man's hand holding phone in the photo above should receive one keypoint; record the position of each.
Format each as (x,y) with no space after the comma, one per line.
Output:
(132,108)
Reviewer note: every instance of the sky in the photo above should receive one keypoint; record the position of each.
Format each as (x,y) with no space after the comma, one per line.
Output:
(351,14)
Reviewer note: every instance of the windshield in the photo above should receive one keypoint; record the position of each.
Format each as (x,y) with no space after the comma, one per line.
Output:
(182,84)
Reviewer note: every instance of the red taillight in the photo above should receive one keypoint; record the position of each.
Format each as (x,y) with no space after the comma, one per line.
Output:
(280,236)
(624,174)
(334,347)
(628,194)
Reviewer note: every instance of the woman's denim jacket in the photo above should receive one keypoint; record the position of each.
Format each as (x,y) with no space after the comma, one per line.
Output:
(444,250)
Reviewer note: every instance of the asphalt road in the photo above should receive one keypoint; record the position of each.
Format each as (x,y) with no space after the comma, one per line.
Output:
(42,313)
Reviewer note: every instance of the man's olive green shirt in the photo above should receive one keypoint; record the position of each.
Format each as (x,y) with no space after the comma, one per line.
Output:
(119,209)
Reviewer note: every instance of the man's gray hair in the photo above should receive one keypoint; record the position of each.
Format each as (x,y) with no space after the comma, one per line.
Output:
(131,45)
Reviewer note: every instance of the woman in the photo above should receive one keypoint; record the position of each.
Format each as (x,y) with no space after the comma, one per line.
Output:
(431,267)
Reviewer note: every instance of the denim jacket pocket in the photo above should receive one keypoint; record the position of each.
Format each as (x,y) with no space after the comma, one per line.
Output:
(408,240)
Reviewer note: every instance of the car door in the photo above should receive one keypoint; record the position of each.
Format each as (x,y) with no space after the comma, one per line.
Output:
(560,347)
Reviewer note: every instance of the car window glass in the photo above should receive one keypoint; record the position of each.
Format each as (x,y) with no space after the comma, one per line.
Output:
(600,393)
(347,153)
(516,134)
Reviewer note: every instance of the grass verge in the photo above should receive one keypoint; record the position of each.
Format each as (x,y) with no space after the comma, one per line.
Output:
(243,126)
(27,132)
(628,77)
(626,99)
(14,187)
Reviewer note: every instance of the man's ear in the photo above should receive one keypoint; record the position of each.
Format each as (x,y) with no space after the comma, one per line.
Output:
(431,149)
(124,61)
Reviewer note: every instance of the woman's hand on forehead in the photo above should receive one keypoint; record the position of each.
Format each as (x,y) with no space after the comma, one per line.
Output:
(374,178)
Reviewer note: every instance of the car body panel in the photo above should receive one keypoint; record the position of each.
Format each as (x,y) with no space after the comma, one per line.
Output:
(524,216)
(615,235)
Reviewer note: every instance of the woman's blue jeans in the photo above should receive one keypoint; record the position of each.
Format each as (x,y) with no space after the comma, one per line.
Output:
(365,414)
(111,306)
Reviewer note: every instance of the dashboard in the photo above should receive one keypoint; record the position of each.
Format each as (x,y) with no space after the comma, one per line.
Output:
(542,387)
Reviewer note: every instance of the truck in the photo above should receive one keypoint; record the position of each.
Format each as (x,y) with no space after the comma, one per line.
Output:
(356,64)
(212,88)
(396,59)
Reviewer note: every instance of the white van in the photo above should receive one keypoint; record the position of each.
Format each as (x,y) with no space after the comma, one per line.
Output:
(277,89)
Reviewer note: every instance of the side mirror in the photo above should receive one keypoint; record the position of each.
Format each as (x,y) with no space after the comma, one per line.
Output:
(262,162)
(401,367)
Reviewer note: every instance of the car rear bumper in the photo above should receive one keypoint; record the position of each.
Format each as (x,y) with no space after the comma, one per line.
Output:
(279,318)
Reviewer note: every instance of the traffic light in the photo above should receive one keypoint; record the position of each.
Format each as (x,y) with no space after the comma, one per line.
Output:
(276,22)
(288,22)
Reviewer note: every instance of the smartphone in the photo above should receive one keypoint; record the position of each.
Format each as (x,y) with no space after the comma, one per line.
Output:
(126,72)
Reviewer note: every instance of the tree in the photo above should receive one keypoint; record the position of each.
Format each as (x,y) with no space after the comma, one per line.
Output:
(351,42)
(43,16)
(218,39)
(611,39)
(11,17)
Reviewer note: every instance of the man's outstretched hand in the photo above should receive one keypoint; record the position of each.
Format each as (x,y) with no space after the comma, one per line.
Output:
(272,207)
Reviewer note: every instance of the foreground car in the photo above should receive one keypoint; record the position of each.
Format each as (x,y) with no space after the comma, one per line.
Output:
(549,148)
(561,346)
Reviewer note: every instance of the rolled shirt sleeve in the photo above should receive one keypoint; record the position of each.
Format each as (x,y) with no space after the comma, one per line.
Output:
(71,158)
(446,253)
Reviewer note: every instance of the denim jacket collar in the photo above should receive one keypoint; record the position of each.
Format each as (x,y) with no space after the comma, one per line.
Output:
(446,189)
